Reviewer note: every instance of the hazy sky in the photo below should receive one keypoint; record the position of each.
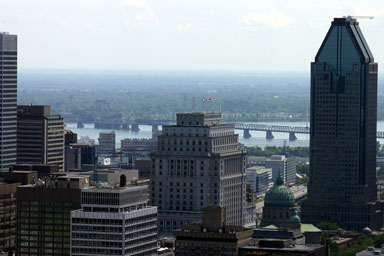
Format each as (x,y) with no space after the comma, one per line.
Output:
(180,34)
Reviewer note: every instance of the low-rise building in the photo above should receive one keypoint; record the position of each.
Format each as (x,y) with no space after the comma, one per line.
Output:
(43,170)
(212,237)
(370,251)
(270,247)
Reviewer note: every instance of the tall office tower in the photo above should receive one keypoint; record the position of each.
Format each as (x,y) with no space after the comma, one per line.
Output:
(342,185)
(40,136)
(44,215)
(8,100)
(114,221)
(107,142)
(198,162)
(287,167)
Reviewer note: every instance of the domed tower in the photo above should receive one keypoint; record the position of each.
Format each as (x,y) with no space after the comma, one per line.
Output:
(279,207)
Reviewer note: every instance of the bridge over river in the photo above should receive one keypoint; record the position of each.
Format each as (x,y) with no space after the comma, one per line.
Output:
(246,127)
(269,129)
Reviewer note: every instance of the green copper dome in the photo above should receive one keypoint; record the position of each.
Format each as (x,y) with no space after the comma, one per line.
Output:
(279,195)
(295,219)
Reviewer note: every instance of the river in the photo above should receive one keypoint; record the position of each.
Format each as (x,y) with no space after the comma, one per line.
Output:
(258,138)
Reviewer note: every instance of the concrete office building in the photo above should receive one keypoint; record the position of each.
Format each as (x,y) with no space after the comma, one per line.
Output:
(40,136)
(258,177)
(44,215)
(342,187)
(107,142)
(114,221)
(287,167)
(212,237)
(8,100)
(144,167)
(198,162)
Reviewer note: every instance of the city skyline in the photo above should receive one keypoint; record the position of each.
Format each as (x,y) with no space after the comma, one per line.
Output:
(190,35)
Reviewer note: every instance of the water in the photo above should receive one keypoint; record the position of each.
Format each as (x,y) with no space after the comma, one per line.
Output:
(257,139)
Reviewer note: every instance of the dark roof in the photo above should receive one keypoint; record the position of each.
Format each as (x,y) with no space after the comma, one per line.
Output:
(356,36)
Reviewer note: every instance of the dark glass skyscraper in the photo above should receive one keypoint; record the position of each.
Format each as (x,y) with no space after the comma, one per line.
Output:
(8,100)
(342,185)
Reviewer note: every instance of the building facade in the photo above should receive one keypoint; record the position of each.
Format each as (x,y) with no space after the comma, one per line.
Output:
(40,136)
(44,215)
(114,221)
(285,165)
(212,237)
(8,219)
(283,247)
(107,142)
(8,102)
(198,162)
(342,186)
(258,177)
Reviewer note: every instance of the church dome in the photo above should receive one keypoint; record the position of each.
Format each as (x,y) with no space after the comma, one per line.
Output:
(295,219)
(279,195)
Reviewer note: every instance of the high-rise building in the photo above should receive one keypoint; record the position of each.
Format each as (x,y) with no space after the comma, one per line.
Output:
(40,136)
(342,186)
(284,165)
(44,215)
(114,221)
(107,142)
(8,100)
(198,162)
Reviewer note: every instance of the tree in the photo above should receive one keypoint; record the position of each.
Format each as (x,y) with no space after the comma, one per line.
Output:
(304,180)
(378,241)
(303,169)
(328,226)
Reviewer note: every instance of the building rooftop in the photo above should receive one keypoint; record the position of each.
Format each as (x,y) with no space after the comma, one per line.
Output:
(354,39)
(309,228)
(103,187)
(279,195)
(258,169)
(283,245)
(371,251)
